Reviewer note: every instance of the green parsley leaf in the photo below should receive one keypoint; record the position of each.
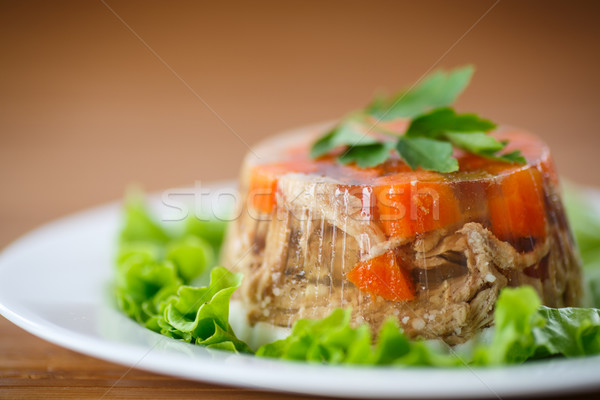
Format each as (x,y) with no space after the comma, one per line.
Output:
(427,104)
(347,133)
(512,157)
(369,155)
(475,142)
(436,90)
(442,120)
(427,153)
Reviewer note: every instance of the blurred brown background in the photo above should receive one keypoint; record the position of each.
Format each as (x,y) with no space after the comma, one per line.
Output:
(86,108)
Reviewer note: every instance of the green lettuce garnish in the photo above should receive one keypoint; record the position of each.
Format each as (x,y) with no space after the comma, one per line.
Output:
(191,256)
(515,317)
(571,332)
(585,223)
(154,269)
(332,340)
(139,282)
(524,330)
(211,230)
(139,226)
(530,331)
(200,315)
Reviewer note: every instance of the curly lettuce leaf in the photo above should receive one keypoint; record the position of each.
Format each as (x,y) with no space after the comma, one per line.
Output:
(515,316)
(332,340)
(153,269)
(571,332)
(139,281)
(329,340)
(527,330)
(192,255)
(139,225)
(592,279)
(210,229)
(200,315)
(585,223)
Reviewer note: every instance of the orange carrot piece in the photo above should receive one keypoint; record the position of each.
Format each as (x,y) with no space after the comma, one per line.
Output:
(263,184)
(383,276)
(415,202)
(516,205)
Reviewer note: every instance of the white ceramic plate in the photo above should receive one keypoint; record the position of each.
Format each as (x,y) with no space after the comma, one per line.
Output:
(54,283)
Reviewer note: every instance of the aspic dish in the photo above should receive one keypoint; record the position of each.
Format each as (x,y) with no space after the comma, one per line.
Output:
(431,249)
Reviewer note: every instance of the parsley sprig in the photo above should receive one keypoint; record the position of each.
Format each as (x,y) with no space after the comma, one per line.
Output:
(433,130)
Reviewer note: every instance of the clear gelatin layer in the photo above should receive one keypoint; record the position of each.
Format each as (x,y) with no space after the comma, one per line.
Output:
(432,249)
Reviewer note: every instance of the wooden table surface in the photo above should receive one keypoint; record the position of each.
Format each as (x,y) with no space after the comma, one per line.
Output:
(95,95)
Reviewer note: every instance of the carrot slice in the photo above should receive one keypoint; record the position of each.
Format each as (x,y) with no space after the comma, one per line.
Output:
(264,178)
(516,195)
(415,202)
(516,205)
(382,276)
(534,150)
